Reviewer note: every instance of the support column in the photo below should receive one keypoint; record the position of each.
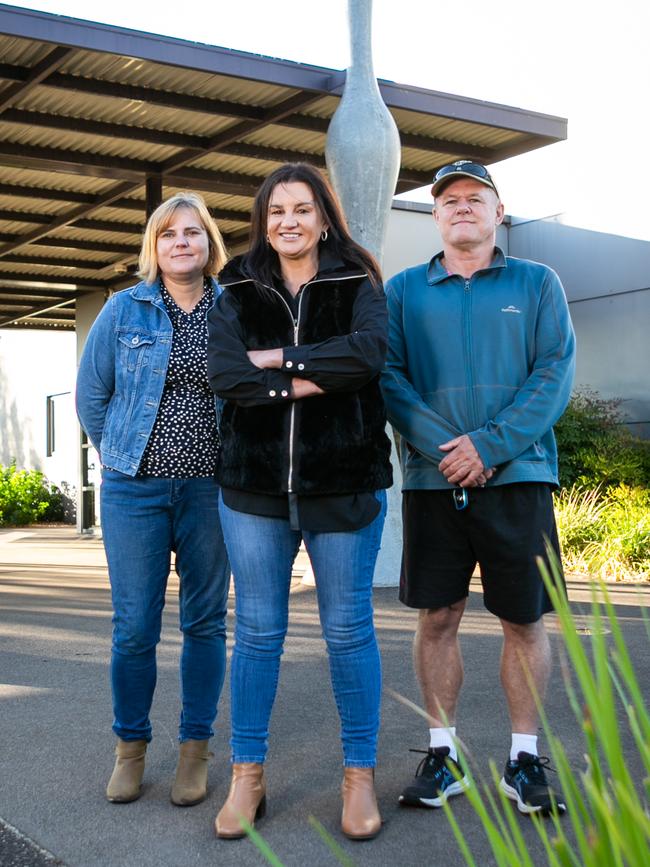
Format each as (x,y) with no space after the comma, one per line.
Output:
(153,186)
(87,309)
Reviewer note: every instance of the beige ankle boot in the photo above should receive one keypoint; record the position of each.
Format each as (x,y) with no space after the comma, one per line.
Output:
(246,799)
(191,781)
(126,779)
(360,819)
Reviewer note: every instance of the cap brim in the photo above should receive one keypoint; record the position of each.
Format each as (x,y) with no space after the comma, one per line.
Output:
(453,176)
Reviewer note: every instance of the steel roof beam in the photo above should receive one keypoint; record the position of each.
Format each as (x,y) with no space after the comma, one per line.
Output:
(103,128)
(175,170)
(34,294)
(110,225)
(35,311)
(135,93)
(75,244)
(54,195)
(18,279)
(53,262)
(302,122)
(151,135)
(36,74)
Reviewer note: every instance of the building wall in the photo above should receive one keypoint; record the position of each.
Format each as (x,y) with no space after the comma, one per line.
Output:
(33,365)
(607,281)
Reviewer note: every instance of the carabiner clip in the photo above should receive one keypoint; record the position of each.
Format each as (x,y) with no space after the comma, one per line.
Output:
(461,498)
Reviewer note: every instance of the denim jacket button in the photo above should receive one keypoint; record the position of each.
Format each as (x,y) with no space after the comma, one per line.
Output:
(135,341)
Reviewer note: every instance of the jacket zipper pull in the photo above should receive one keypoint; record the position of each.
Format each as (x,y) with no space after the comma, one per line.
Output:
(466,285)
(295,332)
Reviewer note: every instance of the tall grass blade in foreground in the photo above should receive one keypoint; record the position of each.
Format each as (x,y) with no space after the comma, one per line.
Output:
(263,847)
(607,802)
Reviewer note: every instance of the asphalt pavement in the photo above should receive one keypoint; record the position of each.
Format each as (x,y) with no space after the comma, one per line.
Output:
(57,745)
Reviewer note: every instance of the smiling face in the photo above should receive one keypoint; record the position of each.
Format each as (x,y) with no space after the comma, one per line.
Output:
(182,247)
(294,222)
(467,214)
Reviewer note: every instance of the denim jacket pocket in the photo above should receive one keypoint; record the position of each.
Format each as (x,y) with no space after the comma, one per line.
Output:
(135,349)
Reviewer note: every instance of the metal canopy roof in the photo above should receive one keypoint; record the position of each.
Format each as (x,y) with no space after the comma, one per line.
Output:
(89,114)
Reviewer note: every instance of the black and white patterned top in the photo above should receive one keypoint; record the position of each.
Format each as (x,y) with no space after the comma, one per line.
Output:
(184,440)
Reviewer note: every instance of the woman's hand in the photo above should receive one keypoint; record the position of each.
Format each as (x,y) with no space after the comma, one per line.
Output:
(266,359)
(304,388)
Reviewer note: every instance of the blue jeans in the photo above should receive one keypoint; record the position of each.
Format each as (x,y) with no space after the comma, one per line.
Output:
(143,521)
(262,551)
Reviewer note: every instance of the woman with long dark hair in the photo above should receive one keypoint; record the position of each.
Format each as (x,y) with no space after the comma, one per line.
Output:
(297,341)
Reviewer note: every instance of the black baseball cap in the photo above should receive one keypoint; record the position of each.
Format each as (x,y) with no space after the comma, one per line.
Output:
(462,169)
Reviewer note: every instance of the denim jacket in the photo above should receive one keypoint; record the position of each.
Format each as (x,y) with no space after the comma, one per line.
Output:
(122,374)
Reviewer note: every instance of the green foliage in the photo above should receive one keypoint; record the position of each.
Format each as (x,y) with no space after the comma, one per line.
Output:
(26,497)
(603,507)
(596,449)
(605,534)
(607,821)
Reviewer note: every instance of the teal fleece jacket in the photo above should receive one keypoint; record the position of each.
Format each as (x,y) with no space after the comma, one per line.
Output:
(492,356)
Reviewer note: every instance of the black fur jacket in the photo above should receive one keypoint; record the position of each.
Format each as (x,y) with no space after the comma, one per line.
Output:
(333,334)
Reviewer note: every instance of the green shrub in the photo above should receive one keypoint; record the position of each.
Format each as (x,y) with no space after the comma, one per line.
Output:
(26,497)
(595,448)
(606,534)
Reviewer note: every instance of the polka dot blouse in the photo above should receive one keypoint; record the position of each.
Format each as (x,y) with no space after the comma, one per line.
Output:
(184,440)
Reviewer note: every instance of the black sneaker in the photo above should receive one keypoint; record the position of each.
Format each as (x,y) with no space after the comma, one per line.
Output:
(524,781)
(434,782)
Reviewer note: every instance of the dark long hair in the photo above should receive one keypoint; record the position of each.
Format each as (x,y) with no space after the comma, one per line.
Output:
(262,261)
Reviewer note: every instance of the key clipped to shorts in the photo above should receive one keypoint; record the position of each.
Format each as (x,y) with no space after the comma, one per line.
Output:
(461,498)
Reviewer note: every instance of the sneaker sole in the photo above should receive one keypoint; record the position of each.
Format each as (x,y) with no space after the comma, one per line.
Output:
(527,809)
(456,788)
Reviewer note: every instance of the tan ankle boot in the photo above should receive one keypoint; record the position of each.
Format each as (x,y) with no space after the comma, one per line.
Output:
(360,819)
(246,799)
(126,779)
(191,781)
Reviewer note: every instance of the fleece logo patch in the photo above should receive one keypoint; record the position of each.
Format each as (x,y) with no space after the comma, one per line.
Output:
(510,309)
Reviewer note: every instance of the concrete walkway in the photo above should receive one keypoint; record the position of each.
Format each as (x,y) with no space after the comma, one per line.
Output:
(57,745)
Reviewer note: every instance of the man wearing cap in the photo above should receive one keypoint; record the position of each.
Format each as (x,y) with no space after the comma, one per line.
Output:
(480,366)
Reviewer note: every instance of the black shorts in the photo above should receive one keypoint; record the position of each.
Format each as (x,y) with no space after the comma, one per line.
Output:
(503,529)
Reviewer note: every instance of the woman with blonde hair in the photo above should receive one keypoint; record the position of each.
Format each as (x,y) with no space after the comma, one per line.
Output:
(144,400)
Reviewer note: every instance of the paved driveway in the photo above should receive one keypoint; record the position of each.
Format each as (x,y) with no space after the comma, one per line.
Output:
(57,745)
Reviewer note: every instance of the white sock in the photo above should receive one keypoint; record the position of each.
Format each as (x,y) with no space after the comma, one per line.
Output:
(522,744)
(444,737)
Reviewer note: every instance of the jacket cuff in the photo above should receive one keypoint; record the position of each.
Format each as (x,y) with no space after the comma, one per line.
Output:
(295,360)
(483,449)
(278,384)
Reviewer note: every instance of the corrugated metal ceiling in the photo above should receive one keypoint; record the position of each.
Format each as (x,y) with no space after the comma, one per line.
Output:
(82,127)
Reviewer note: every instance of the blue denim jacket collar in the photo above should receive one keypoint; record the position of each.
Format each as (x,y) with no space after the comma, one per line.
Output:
(144,291)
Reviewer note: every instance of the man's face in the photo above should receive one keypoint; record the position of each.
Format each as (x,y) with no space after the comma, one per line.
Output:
(467,214)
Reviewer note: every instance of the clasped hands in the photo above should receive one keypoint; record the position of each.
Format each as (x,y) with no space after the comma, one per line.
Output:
(462,464)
